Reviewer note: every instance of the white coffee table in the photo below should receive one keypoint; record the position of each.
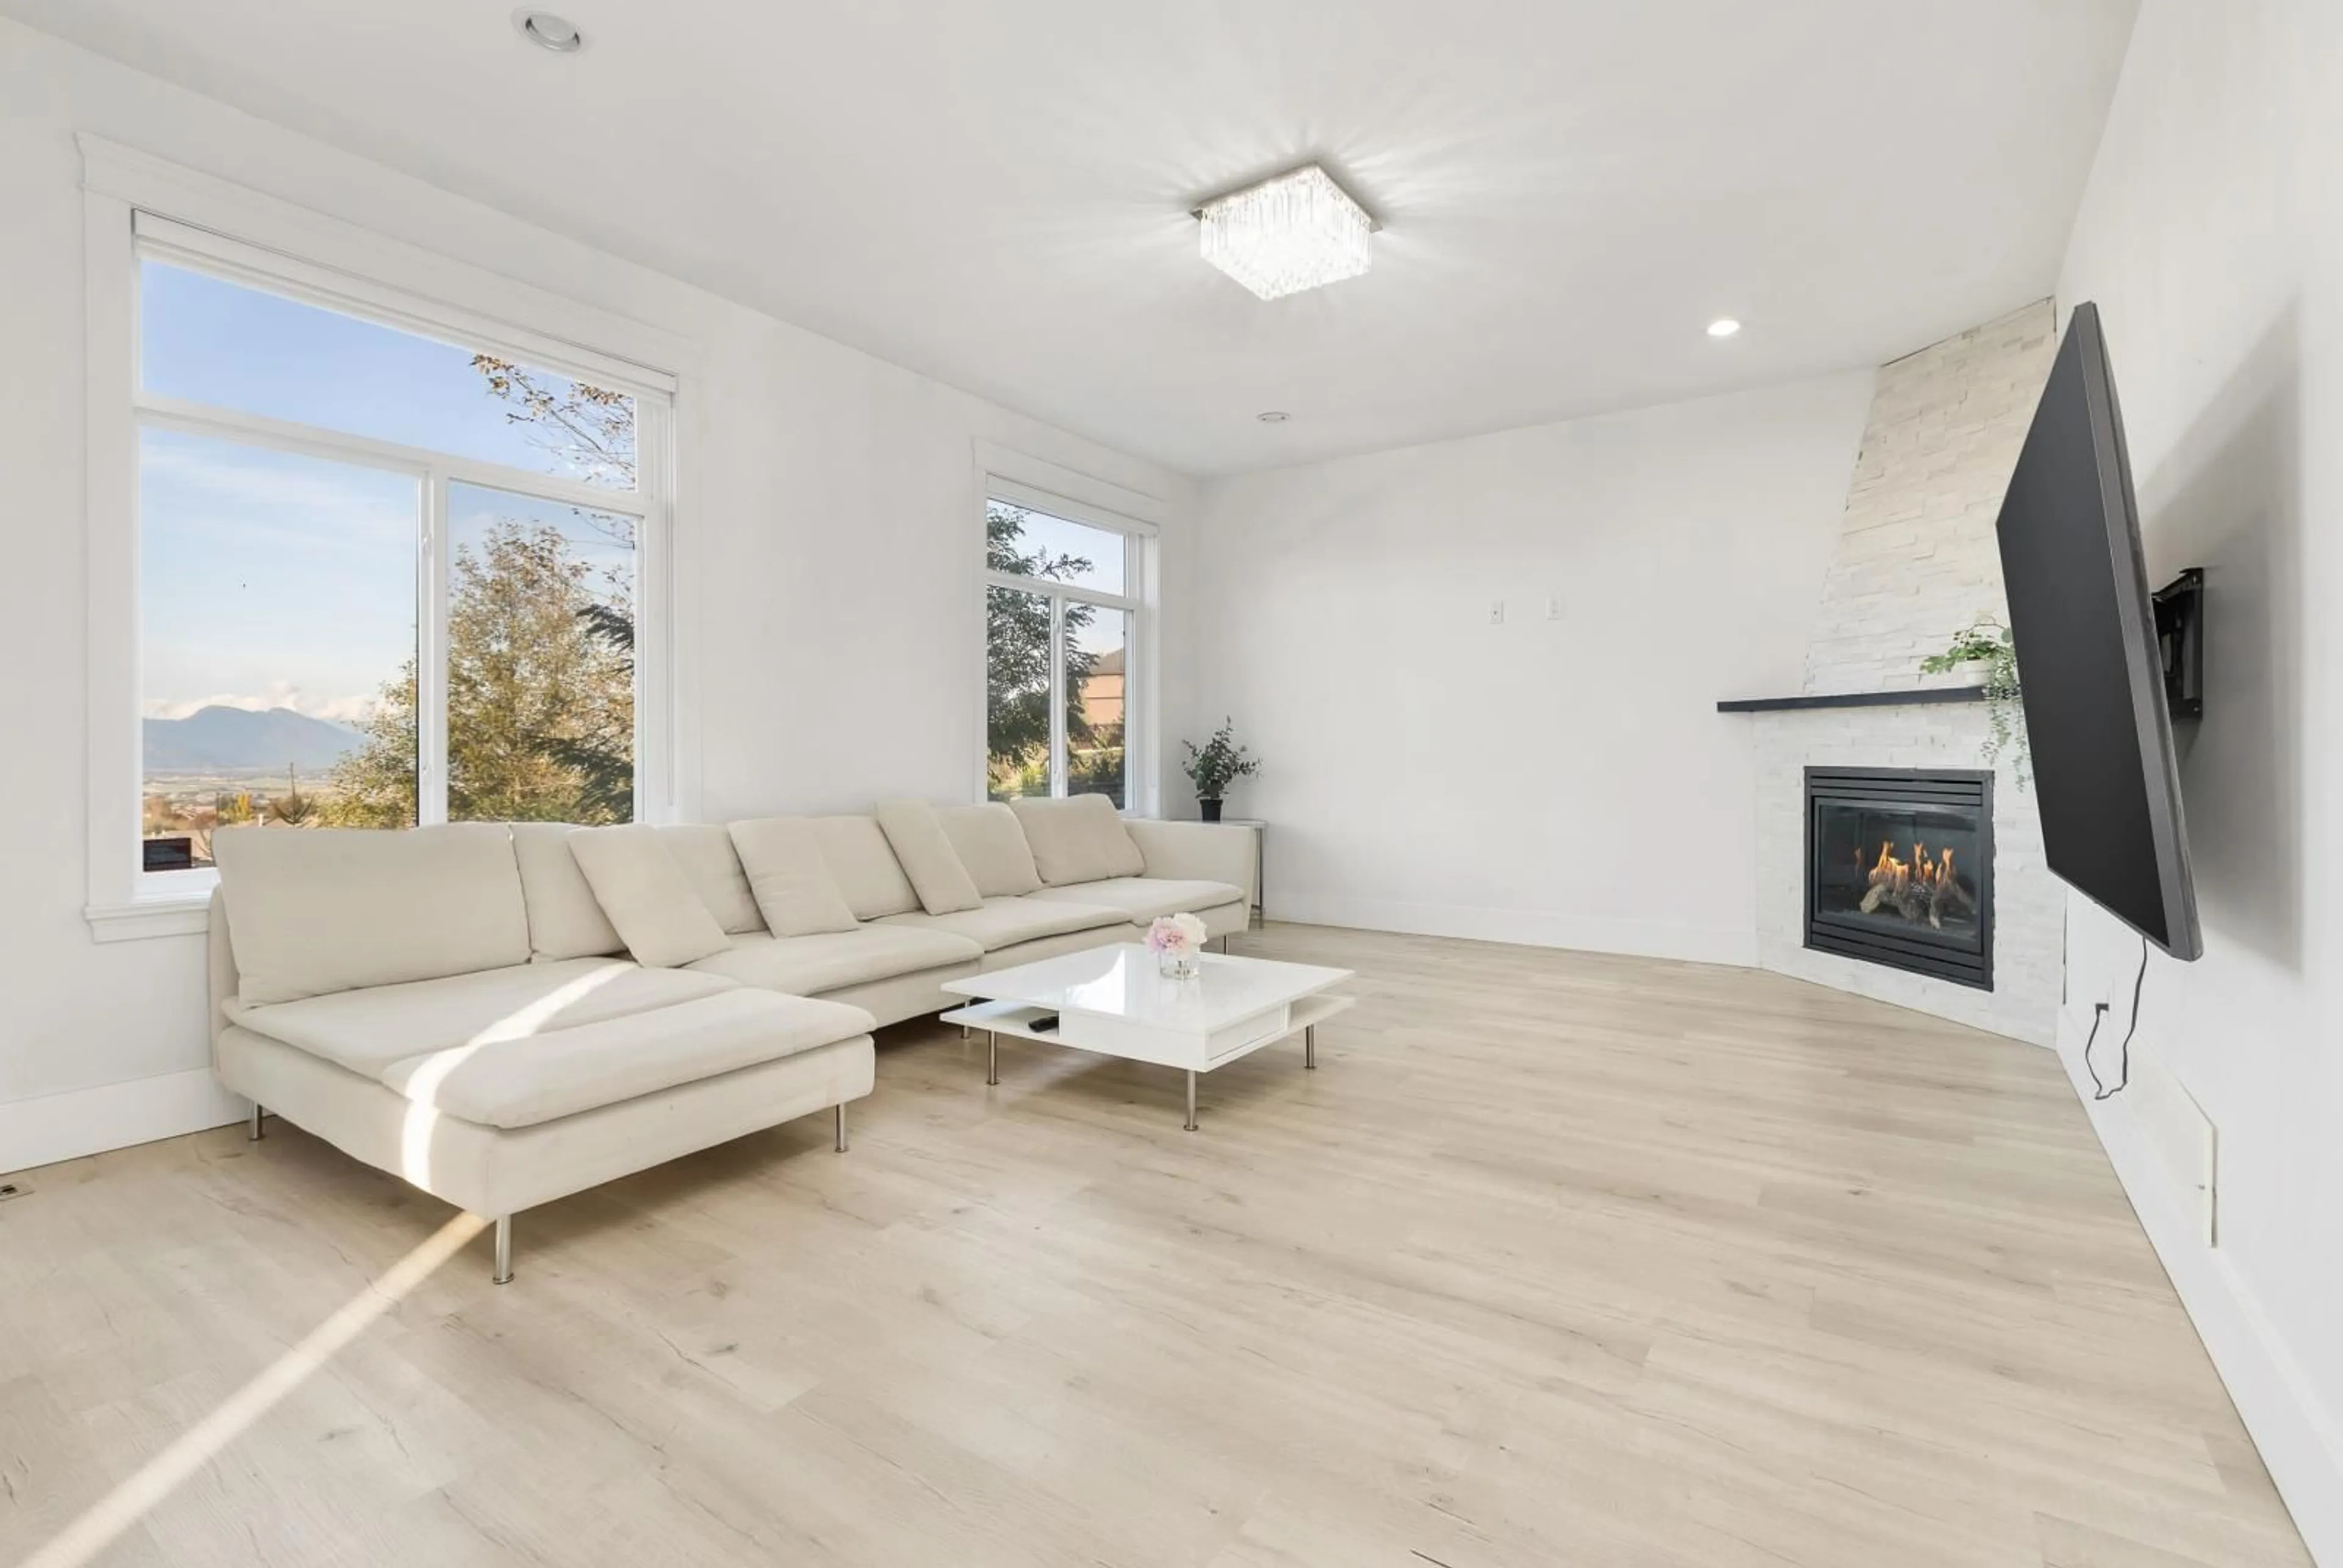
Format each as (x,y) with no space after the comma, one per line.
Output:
(1111,1001)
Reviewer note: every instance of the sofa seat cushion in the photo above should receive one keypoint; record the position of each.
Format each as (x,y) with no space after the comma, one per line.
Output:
(367,1031)
(1142,899)
(1005,922)
(538,1078)
(807,966)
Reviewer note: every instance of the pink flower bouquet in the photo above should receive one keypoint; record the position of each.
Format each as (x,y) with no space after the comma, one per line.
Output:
(1175,941)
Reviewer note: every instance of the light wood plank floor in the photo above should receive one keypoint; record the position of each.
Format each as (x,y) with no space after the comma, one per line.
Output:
(1558,1260)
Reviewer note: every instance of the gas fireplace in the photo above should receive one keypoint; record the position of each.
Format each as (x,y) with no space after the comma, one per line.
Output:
(1899,868)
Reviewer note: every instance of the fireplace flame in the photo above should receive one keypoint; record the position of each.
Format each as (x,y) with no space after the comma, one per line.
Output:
(1916,888)
(1897,875)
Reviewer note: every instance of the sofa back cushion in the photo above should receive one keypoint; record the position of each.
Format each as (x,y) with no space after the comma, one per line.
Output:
(928,857)
(641,886)
(1079,838)
(323,909)
(992,847)
(564,920)
(792,882)
(713,867)
(865,866)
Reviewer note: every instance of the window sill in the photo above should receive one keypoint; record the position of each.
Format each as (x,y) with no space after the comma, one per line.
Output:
(146,917)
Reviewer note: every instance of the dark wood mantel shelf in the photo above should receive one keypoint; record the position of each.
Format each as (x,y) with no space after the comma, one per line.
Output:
(1853,700)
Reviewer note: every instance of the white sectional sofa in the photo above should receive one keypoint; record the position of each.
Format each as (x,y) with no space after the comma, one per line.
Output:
(504,1014)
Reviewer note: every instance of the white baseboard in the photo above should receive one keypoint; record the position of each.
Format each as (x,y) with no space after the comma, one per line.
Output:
(2298,1435)
(113,1116)
(1524,927)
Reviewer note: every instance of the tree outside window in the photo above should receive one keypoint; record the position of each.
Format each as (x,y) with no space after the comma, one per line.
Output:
(1052,654)
(540,639)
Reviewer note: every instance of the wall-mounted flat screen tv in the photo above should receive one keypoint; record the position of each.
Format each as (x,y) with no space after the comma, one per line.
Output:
(2106,776)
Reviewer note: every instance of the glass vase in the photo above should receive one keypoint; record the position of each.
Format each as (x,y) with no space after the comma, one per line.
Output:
(1173,965)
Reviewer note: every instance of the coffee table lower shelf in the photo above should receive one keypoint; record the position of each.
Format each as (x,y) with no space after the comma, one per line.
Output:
(1016,1019)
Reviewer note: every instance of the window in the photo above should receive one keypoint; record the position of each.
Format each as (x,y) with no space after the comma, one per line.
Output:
(1061,602)
(385,576)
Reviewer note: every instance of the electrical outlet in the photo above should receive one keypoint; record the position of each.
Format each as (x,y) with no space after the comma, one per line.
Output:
(1496,612)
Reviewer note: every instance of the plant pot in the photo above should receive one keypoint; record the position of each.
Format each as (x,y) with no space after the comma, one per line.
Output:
(1210,809)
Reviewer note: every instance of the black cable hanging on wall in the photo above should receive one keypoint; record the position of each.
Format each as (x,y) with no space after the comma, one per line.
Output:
(2123,1066)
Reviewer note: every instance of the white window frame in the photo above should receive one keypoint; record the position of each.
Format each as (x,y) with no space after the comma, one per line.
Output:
(137,207)
(1050,489)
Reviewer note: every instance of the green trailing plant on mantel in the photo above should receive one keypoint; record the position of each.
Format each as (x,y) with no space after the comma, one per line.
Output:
(1987,642)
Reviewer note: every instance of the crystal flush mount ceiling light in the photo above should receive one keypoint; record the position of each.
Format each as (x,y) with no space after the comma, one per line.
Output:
(1293,231)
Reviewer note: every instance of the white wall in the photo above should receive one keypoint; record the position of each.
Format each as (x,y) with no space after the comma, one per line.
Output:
(1564,781)
(835,604)
(2212,238)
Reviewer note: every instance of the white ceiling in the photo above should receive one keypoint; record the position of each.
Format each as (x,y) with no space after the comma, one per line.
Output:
(996,194)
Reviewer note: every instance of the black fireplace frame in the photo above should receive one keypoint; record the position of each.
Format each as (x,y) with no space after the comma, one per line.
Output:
(1918,953)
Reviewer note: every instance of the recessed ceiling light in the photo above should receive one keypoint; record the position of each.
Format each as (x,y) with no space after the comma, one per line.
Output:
(1724,326)
(1272,415)
(548,31)
(1293,231)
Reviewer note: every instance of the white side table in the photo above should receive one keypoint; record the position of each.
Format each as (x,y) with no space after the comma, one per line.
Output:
(1259,860)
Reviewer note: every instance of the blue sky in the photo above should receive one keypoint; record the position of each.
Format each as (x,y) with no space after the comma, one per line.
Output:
(270,580)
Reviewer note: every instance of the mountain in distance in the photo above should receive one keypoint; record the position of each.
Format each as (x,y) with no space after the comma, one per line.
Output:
(242,739)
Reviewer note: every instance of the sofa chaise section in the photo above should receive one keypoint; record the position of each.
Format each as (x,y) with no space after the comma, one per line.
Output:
(379,990)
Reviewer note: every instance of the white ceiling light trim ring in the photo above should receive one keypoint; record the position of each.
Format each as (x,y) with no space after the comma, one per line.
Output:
(1293,231)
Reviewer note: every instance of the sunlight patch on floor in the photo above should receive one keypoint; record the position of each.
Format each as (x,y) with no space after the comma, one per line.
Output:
(127,1504)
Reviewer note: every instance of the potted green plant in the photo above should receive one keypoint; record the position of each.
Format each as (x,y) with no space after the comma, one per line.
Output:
(1214,764)
(1985,649)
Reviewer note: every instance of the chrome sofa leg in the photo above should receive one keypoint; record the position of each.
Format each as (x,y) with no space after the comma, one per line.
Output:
(255,1131)
(503,1275)
(841,1128)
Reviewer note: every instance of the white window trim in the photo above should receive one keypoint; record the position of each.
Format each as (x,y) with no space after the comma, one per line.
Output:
(131,199)
(1019,479)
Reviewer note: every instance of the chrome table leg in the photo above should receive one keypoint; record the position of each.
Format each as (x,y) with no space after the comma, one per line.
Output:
(1191,1099)
(1309,1046)
(992,1056)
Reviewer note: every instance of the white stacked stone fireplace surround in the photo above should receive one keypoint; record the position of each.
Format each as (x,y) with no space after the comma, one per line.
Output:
(1916,561)
(2028,904)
